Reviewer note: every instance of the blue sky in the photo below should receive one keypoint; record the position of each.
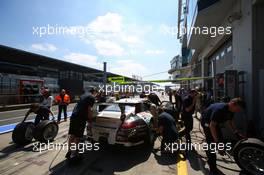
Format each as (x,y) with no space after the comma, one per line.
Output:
(128,34)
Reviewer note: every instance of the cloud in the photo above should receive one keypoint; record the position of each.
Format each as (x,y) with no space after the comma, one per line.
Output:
(154,52)
(108,48)
(44,47)
(110,22)
(128,68)
(111,36)
(131,39)
(83,59)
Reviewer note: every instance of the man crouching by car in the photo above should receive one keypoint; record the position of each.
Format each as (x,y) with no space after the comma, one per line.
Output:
(166,127)
(81,114)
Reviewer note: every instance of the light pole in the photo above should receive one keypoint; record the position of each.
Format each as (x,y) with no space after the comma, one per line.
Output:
(105,76)
(214,78)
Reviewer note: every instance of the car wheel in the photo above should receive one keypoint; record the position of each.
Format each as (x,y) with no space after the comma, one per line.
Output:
(249,155)
(23,133)
(46,131)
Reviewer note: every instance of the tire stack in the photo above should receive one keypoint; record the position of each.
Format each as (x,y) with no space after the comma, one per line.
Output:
(46,131)
(25,132)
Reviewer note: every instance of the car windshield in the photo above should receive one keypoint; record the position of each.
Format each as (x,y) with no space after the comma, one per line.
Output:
(115,108)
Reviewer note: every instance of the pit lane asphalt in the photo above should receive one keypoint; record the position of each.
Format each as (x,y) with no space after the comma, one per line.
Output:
(108,160)
(15,116)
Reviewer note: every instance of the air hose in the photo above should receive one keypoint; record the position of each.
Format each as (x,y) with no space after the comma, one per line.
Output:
(50,166)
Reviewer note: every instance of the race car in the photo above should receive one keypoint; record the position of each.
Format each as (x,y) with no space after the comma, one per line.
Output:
(125,122)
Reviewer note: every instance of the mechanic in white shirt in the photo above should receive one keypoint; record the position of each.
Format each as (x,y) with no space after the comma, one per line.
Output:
(43,108)
(47,100)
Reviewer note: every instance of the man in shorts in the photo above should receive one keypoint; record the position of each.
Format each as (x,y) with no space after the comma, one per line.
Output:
(81,114)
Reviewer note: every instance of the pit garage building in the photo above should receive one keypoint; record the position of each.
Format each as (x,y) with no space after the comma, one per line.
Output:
(22,74)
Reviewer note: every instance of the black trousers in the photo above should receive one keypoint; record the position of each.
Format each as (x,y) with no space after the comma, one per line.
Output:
(64,109)
(188,123)
(210,155)
(42,114)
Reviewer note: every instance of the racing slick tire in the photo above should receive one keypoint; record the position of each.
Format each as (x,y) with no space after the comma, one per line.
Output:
(248,155)
(46,131)
(23,133)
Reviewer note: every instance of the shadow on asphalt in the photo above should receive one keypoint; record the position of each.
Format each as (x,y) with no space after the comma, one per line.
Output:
(12,148)
(196,162)
(167,159)
(106,161)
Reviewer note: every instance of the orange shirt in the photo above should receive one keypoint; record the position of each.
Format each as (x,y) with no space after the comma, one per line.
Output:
(65,100)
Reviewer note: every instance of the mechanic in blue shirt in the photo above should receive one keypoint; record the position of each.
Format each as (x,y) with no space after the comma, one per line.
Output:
(214,115)
(188,108)
(166,127)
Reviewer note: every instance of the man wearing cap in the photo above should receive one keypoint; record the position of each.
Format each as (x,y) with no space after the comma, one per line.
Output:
(47,99)
(214,115)
(45,104)
(187,111)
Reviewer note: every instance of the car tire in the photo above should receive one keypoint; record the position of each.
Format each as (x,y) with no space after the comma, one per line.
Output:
(46,131)
(247,154)
(23,133)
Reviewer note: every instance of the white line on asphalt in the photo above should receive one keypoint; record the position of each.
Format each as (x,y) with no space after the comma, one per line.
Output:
(13,118)
(14,110)
(8,119)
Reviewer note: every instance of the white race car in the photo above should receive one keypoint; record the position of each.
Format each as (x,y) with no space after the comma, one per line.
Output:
(131,127)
